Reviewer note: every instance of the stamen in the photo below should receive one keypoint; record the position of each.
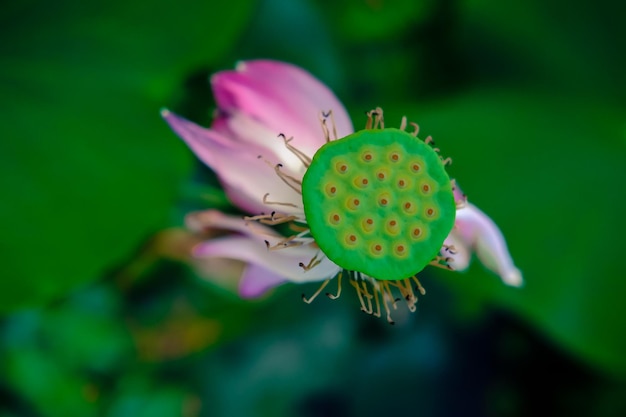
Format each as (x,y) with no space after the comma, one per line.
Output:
(358,292)
(321,287)
(335,296)
(286,178)
(368,296)
(277,203)
(445,265)
(416,129)
(271,219)
(375,119)
(323,118)
(461,199)
(419,287)
(403,123)
(450,249)
(304,158)
(312,263)
(288,242)
(447,161)
(376,300)
(314,296)
(386,297)
(330,115)
(291,241)
(429,140)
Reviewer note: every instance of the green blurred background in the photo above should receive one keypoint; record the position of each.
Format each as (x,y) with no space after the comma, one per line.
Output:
(103,316)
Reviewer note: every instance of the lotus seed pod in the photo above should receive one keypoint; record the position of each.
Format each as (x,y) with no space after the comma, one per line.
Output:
(379,202)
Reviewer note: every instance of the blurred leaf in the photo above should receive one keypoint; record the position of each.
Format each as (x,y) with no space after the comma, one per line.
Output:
(568,46)
(374,20)
(549,171)
(88,168)
(46,384)
(138,396)
(84,338)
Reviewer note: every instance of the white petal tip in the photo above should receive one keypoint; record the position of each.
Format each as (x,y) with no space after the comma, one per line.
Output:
(513,278)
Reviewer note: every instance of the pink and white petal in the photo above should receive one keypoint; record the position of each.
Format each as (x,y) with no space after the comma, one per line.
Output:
(237,165)
(283,97)
(285,263)
(310,90)
(200,221)
(477,231)
(243,128)
(461,256)
(460,199)
(256,281)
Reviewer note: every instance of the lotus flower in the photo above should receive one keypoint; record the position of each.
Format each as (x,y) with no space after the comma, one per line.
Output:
(272,119)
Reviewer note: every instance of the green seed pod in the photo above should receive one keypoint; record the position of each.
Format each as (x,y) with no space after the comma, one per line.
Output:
(379,202)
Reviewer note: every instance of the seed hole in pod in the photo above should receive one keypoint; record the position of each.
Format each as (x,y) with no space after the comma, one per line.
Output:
(351,239)
(367,224)
(367,156)
(415,167)
(376,249)
(335,219)
(394,157)
(353,203)
(402,183)
(431,213)
(425,188)
(418,232)
(361,182)
(392,227)
(331,190)
(409,207)
(341,167)
(383,201)
(381,175)
(400,250)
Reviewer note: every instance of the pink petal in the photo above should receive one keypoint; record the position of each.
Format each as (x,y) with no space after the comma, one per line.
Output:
(245,177)
(284,263)
(269,267)
(461,256)
(240,127)
(199,221)
(474,231)
(284,98)
(460,199)
(257,280)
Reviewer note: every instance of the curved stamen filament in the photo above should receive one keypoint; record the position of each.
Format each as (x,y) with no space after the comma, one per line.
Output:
(291,241)
(324,284)
(312,263)
(323,118)
(375,119)
(304,158)
(442,262)
(272,219)
(277,203)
